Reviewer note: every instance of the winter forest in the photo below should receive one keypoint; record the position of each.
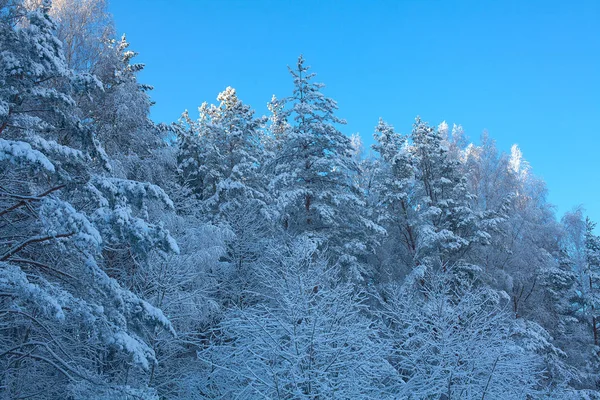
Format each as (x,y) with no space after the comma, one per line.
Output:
(233,256)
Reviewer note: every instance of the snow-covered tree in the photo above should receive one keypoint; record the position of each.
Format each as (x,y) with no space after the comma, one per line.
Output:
(221,153)
(592,273)
(306,338)
(455,344)
(220,157)
(83,26)
(191,288)
(449,226)
(121,110)
(312,176)
(278,125)
(395,198)
(68,329)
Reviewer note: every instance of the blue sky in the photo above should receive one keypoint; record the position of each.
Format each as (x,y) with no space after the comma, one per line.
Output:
(526,71)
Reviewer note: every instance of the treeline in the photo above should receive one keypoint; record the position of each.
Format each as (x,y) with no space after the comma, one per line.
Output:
(233,256)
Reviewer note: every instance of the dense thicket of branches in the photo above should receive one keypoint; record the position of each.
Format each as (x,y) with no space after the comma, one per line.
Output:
(235,256)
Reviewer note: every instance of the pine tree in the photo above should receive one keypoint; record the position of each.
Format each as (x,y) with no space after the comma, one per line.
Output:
(394,190)
(121,110)
(221,154)
(277,123)
(221,158)
(449,225)
(313,176)
(67,328)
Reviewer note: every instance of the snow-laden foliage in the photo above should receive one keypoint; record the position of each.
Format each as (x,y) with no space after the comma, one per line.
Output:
(449,344)
(393,196)
(308,337)
(312,181)
(221,153)
(449,226)
(238,256)
(64,319)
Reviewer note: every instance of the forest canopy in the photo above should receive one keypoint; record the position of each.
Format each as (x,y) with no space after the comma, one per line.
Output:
(230,255)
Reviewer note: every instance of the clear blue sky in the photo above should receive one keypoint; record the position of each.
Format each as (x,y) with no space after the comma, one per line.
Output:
(527,71)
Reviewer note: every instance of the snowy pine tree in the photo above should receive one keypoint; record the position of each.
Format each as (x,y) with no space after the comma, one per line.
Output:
(68,328)
(449,225)
(221,153)
(312,177)
(395,198)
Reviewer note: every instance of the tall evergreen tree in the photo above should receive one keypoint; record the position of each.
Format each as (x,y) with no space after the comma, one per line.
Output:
(449,226)
(312,176)
(395,197)
(68,328)
(220,154)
